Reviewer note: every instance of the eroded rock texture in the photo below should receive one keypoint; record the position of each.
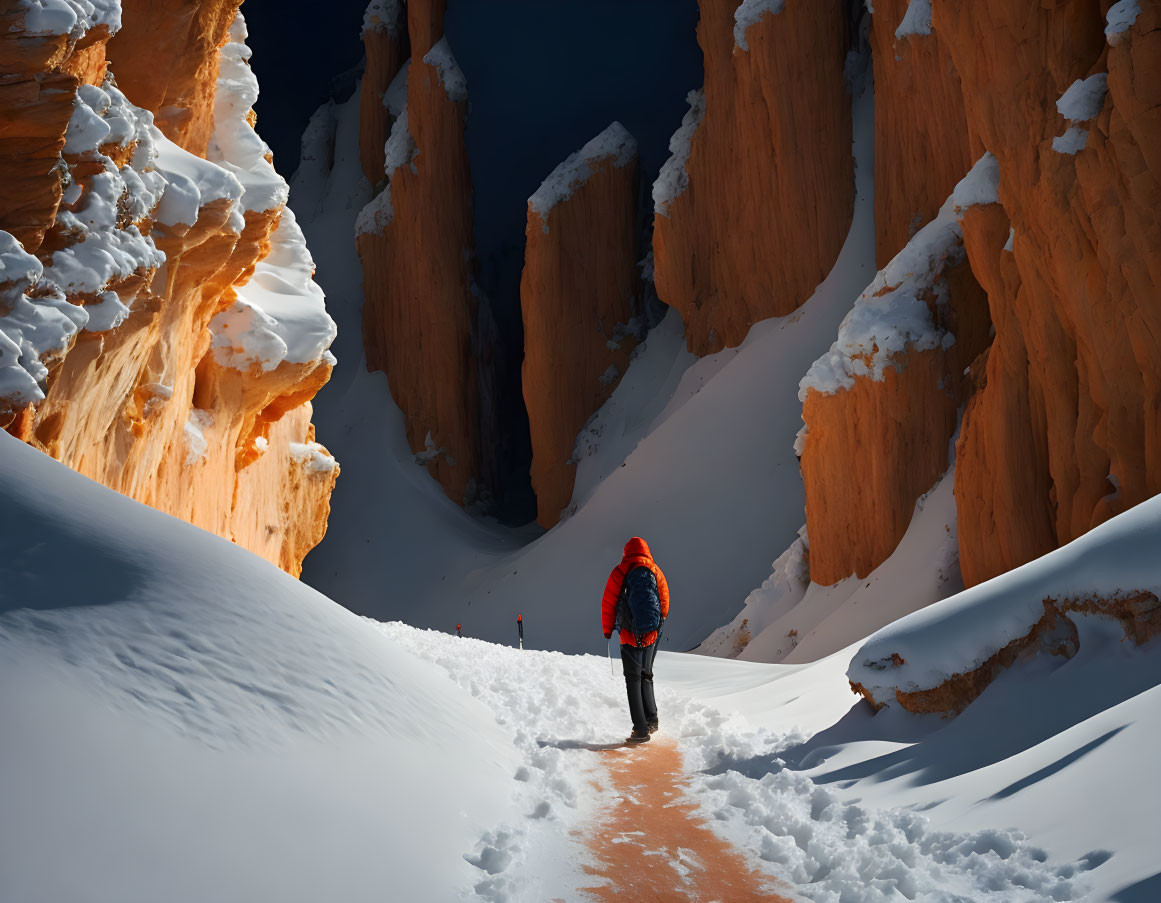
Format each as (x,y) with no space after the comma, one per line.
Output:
(923,145)
(386,46)
(579,297)
(165,338)
(415,242)
(1066,428)
(755,218)
(882,405)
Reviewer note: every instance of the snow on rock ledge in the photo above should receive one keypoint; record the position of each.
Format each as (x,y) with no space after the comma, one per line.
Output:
(69,17)
(673,178)
(614,145)
(942,657)
(748,13)
(280,314)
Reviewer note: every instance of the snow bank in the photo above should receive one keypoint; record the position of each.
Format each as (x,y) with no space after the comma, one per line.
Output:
(383,15)
(791,619)
(959,634)
(892,313)
(234,144)
(673,178)
(186,722)
(1120,19)
(748,13)
(450,75)
(280,314)
(917,19)
(614,145)
(71,17)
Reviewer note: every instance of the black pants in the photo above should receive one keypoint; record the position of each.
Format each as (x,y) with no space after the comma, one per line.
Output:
(638,665)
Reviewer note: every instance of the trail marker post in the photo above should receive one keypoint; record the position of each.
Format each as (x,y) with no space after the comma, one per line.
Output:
(520,629)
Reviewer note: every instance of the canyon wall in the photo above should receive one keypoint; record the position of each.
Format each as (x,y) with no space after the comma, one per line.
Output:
(1065,430)
(579,298)
(1058,376)
(756,202)
(159,328)
(385,43)
(416,246)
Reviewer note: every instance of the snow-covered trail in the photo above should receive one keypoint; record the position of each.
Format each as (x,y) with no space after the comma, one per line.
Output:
(559,709)
(653,843)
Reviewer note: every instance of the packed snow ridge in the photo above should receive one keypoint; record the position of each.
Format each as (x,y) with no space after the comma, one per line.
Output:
(917,19)
(748,13)
(892,313)
(673,178)
(383,15)
(614,145)
(452,78)
(959,634)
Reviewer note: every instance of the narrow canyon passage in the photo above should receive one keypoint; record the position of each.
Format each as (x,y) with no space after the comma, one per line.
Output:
(652,845)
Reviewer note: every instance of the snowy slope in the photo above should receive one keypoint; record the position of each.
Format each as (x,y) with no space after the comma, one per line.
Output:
(184,721)
(697,457)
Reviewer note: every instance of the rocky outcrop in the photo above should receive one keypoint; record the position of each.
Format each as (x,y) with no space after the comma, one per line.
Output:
(579,298)
(923,145)
(385,43)
(166,337)
(1055,633)
(415,243)
(167,59)
(756,202)
(881,406)
(1065,430)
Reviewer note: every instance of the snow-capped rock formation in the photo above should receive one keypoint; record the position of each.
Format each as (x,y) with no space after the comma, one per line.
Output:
(385,43)
(881,406)
(754,209)
(160,330)
(415,242)
(580,298)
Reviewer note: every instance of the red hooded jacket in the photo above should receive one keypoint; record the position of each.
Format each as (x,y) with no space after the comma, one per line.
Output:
(636,554)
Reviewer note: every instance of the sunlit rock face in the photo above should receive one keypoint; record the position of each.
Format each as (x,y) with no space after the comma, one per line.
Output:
(1065,430)
(580,301)
(159,328)
(754,207)
(415,243)
(923,145)
(385,42)
(881,406)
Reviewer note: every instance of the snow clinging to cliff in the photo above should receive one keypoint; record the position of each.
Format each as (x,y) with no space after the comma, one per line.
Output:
(673,178)
(1084,98)
(1120,18)
(614,145)
(71,17)
(450,75)
(917,19)
(383,15)
(749,12)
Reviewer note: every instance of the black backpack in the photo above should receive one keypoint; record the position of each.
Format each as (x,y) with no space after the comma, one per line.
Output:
(639,605)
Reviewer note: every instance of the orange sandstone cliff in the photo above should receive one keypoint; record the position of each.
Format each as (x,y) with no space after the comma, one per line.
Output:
(1065,430)
(753,208)
(579,298)
(159,328)
(415,242)
(385,43)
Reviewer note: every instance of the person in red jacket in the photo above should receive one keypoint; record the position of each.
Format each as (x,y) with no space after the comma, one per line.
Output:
(637,652)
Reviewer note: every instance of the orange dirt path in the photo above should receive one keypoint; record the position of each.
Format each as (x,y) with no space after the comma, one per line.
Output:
(653,846)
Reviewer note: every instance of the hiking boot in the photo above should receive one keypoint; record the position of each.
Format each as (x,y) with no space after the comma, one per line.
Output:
(654,727)
(638,736)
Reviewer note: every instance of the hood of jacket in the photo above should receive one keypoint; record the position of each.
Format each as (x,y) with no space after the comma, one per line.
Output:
(637,548)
